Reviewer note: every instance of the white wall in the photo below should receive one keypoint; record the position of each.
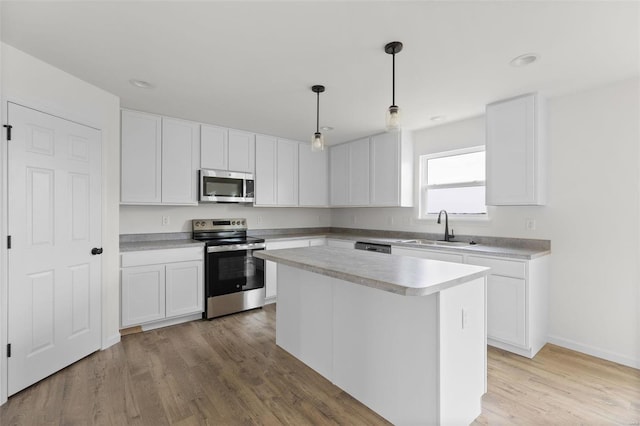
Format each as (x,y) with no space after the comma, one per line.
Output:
(36,84)
(592,216)
(147,219)
(594,212)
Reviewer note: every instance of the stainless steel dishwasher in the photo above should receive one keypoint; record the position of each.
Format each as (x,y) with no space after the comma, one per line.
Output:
(379,248)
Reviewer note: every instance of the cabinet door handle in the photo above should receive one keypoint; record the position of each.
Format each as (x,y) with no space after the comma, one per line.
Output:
(96,250)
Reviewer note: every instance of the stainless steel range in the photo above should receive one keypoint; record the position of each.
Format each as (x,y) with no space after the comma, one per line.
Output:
(234,278)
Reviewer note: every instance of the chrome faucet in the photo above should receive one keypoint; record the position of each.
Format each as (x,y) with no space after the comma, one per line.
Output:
(447,237)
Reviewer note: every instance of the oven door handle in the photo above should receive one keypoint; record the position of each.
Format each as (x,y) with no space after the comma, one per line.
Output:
(236,247)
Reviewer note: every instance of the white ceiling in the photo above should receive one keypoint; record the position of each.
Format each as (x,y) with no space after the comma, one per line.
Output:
(250,65)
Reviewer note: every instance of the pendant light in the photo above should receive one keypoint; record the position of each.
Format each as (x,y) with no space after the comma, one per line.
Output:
(393,113)
(317,143)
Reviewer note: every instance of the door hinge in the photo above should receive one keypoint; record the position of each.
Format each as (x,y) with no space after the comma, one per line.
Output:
(8,241)
(8,350)
(8,127)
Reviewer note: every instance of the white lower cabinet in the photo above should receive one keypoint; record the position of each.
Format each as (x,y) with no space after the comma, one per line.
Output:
(143,294)
(506,309)
(517,297)
(183,288)
(161,285)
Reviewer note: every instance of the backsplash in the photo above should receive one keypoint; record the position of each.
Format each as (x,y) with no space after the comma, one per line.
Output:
(149,219)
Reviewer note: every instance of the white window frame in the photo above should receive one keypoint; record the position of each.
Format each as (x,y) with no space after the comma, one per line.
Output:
(423,187)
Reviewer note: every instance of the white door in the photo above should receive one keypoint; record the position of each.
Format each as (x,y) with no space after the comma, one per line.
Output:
(54,222)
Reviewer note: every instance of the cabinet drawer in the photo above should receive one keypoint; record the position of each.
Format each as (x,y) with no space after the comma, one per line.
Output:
(427,254)
(506,268)
(155,257)
(317,242)
(340,243)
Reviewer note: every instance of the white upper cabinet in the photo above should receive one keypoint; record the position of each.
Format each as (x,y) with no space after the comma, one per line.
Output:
(214,148)
(516,138)
(287,173)
(160,159)
(375,171)
(349,178)
(359,172)
(241,151)
(339,166)
(265,179)
(276,172)
(391,169)
(180,159)
(227,149)
(141,158)
(313,177)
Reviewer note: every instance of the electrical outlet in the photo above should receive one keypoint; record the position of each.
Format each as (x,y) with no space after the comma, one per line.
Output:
(259,220)
(165,220)
(530,224)
(353,219)
(391,220)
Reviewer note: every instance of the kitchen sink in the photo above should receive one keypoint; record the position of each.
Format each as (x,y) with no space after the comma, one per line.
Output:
(435,243)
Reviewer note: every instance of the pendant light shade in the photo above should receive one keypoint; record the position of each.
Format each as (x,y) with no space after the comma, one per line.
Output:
(317,142)
(393,113)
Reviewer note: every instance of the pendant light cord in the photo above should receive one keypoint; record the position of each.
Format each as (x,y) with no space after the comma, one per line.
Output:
(318,114)
(393,78)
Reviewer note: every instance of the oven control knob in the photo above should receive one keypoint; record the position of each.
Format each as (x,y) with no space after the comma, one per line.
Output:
(243,222)
(233,222)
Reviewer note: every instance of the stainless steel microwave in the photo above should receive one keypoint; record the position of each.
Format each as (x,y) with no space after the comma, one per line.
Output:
(221,186)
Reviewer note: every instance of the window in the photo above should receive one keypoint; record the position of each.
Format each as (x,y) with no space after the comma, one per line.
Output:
(453,181)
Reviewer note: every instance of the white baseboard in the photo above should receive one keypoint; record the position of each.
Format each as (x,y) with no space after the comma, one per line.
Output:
(593,351)
(171,321)
(110,341)
(270,300)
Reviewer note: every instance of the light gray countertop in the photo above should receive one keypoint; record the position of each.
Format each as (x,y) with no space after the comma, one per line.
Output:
(158,245)
(403,275)
(523,253)
(516,248)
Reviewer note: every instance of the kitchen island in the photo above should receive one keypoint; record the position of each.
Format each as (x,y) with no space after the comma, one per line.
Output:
(403,335)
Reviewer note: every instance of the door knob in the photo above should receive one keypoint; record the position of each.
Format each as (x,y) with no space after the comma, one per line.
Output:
(96,250)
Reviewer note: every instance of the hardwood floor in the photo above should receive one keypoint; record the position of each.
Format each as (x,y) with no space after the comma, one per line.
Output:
(230,372)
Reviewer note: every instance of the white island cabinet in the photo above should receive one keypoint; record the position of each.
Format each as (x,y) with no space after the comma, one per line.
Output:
(405,336)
